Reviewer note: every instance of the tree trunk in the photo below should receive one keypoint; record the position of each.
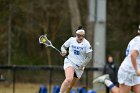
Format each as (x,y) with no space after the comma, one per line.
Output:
(75,15)
(90,32)
(9,33)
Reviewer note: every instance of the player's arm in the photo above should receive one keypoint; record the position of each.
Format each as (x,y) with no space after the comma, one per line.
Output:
(88,55)
(87,59)
(134,55)
(65,46)
(63,50)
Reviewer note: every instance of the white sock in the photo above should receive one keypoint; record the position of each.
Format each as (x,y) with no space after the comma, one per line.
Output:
(108,82)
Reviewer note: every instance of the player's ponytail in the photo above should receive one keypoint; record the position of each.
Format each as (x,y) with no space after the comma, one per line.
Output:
(80,27)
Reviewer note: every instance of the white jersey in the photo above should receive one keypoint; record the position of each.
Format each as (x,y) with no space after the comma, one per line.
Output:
(134,44)
(77,51)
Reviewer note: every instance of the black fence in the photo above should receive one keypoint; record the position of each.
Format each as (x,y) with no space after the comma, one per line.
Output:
(17,75)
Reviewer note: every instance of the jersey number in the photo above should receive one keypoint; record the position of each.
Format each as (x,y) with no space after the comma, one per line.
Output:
(76,52)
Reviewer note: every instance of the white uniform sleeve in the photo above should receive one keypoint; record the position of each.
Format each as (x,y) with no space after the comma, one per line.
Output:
(67,43)
(88,48)
(87,59)
(137,47)
(88,54)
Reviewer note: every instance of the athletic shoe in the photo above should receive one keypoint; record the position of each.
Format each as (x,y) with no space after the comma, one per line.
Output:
(101,79)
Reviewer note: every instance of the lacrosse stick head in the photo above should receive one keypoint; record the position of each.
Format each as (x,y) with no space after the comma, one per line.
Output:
(44,40)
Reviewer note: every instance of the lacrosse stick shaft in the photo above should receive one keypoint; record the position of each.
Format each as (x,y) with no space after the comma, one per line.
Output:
(56,49)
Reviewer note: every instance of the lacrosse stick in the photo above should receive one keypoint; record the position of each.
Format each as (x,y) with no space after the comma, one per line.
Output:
(44,40)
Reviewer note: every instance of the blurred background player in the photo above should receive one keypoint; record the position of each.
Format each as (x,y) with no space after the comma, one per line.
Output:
(129,71)
(80,53)
(1,77)
(111,69)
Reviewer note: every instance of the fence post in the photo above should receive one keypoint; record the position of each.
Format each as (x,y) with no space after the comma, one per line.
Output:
(50,80)
(87,79)
(14,78)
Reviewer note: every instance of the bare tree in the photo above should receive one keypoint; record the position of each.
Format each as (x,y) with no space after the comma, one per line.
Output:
(75,15)
(9,33)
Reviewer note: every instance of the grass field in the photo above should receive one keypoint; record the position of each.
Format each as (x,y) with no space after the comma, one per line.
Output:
(22,88)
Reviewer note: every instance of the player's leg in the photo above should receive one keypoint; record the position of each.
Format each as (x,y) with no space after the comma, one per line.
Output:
(74,81)
(107,90)
(69,72)
(136,88)
(124,88)
(105,79)
(114,89)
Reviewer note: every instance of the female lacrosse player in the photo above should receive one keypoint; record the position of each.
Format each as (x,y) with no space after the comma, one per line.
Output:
(80,53)
(129,71)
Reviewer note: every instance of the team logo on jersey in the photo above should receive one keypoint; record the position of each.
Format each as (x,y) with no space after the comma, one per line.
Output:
(77,47)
